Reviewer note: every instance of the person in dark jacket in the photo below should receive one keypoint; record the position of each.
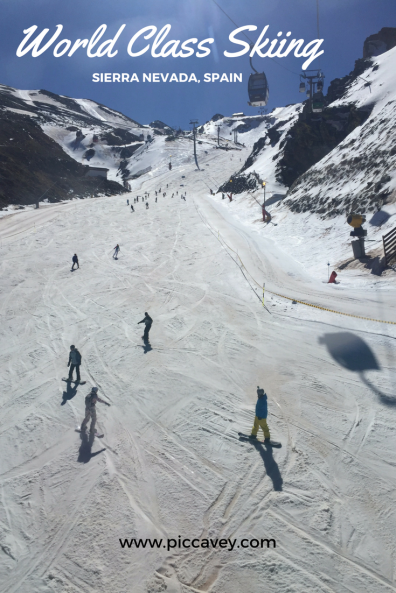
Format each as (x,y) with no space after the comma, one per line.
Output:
(260,420)
(75,261)
(90,409)
(148,323)
(74,363)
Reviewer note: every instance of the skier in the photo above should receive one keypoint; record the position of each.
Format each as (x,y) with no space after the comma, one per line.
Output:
(75,261)
(90,409)
(260,420)
(155,198)
(116,250)
(132,208)
(148,323)
(127,202)
(147,205)
(74,363)
(137,199)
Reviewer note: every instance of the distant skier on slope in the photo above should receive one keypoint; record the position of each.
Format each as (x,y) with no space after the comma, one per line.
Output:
(148,323)
(132,208)
(147,205)
(260,420)
(74,363)
(116,251)
(90,409)
(75,261)
(127,202)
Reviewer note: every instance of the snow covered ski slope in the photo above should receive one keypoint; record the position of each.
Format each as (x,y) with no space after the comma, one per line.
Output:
(170,464)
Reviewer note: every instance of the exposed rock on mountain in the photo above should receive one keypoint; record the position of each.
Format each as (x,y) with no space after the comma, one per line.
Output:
(48,140)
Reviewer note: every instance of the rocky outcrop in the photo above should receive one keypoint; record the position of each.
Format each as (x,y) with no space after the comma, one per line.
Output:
(33,166)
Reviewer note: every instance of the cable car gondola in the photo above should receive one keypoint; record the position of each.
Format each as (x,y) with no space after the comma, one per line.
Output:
(317,102)
(257,88)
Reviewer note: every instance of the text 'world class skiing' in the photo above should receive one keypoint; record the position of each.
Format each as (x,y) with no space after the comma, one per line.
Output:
(175,48)
(185,543)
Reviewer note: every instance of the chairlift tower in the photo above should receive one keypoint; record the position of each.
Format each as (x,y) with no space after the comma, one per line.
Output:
(218,135)
(315,80)
(194,122)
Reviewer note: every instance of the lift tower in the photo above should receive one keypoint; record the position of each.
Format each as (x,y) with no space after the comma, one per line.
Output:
(194,122)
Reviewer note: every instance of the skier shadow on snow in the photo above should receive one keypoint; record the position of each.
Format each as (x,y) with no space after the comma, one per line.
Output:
(352,353)
(271,467)
(85,451)
(69,393)
(147,346)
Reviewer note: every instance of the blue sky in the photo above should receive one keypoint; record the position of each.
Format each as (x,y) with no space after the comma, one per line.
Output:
(344,24)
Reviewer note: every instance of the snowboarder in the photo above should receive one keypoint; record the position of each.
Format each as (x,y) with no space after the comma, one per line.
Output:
(148,323)
(75,261)
(260,420)
(74,363)
(116,251)
(132,208)
(90,410)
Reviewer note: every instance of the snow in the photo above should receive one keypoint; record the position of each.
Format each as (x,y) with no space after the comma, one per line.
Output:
(254,128)
(311,240)
(170,463)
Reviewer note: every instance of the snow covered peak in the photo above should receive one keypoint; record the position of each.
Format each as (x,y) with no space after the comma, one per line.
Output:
(360,172)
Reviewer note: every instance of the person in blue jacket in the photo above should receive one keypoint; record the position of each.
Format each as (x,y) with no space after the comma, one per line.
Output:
(74,363)
(260,420)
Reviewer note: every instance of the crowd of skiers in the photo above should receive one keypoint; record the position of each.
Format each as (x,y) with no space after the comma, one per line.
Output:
(261,410)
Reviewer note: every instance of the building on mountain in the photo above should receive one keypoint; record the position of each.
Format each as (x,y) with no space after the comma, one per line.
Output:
(96,172)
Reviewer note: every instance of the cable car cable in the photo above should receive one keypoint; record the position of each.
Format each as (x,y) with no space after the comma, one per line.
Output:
(252,42)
